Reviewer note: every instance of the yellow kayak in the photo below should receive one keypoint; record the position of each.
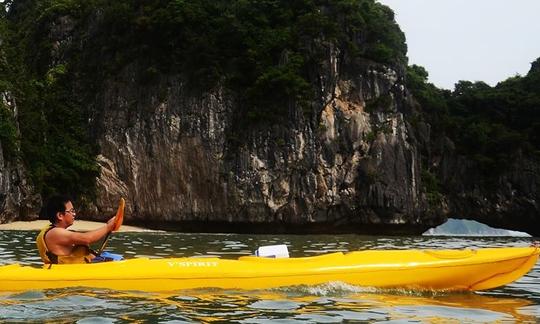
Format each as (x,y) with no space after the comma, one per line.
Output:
(409,269)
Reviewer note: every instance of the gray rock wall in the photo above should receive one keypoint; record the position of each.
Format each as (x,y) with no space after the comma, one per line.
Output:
(510,202)
(351,164)
(18,200)
(346,169)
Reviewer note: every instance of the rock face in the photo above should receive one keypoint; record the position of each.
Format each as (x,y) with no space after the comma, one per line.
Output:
(18,201)
(344,170)
(351,164)
(512,202)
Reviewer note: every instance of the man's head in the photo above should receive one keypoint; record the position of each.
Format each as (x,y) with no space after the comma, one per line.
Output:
(60,208)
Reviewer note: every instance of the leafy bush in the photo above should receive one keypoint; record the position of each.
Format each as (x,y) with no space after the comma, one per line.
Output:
(488,124)
(262,50)
(265,51)
(432,188)
(8,134)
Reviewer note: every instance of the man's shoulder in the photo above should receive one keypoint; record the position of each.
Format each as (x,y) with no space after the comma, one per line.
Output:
(58,235)
(57,230)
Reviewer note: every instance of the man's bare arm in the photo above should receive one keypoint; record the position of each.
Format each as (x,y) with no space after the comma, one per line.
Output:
(64,237)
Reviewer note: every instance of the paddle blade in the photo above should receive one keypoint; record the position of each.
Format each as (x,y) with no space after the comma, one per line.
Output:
(119,215)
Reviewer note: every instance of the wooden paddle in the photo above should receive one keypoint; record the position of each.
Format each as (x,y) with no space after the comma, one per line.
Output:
(117,223)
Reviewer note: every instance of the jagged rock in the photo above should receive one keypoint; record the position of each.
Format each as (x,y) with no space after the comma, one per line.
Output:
(181,159)
(18,200)
(172,159)
(512,202)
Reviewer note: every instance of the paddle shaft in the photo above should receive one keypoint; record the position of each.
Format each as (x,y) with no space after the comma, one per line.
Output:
(104,244)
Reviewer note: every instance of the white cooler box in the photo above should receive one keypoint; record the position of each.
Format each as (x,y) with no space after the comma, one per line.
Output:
(273,251)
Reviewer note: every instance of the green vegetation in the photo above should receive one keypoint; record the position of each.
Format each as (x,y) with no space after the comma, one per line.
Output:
(54,142)
(381,103)
(432,188)
(490,125)
(8,133)
(265,51)
(8,130)
(268,53)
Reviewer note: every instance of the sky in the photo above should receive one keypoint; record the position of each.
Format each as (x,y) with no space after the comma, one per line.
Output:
(473,40)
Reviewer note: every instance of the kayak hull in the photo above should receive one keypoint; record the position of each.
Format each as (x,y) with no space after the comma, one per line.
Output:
(449,270)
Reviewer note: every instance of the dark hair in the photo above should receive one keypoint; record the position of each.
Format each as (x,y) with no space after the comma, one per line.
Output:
(56,204)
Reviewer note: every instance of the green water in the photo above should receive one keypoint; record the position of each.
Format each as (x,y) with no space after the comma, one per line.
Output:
(334,302)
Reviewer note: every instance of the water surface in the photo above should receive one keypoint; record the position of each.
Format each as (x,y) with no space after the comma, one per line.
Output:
(334,302)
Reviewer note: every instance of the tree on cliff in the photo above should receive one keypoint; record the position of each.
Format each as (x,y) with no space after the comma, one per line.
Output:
(265,51)
(488,124)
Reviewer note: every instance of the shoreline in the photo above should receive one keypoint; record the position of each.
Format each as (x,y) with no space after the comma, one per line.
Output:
(79,225)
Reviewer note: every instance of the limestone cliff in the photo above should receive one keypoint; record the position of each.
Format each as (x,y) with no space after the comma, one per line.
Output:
(351,160)
(345,170)
(18,200)
(511,202)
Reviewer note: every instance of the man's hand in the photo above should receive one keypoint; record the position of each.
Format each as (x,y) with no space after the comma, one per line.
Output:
(110,224)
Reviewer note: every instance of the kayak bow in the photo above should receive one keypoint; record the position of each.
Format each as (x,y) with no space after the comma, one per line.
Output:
(453,270)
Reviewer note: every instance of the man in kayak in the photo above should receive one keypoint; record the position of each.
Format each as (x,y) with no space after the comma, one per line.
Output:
(56,244)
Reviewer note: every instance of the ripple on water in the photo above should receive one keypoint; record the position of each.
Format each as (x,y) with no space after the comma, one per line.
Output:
(39,306)
(28,295)
(96,320)
(332,302)
(275,305)
(334,288)
(454,313)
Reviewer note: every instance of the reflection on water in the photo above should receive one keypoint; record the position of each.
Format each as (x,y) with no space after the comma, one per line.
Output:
(329,303)
(261,306)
